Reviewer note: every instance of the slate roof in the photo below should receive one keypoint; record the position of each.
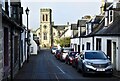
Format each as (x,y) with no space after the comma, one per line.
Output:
(81,23)
(97,19)
(98,25)
(59,27)
(112,30)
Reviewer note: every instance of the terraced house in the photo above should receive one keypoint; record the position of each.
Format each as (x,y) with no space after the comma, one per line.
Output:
(102,33)
(12,55)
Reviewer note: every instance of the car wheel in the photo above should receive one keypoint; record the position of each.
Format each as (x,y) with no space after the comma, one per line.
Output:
(65,62)
(73,65)
(83,72)
(68,62)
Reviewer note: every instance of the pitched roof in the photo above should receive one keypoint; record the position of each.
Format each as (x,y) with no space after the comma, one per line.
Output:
(98,25)
(60,27)
(112,30)
(82,23)
(97,19)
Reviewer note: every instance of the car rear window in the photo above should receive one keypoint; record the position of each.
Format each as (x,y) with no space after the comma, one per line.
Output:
(73,54)
(67,50)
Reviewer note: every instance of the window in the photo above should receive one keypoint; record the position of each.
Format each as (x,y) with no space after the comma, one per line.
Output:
(88,46)
(46,17)
(95,55)
(45,35)
(110,16)
(31,49)
(43,17)
(45,26)
(82,46)
(98,44)
(14,12)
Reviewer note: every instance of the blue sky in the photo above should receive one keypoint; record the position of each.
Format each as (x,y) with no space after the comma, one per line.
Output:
(62,11)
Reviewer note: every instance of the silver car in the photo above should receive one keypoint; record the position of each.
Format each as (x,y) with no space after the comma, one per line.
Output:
(94,62)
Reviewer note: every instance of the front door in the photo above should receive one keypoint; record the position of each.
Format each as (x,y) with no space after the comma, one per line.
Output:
(109,48)
(79,48)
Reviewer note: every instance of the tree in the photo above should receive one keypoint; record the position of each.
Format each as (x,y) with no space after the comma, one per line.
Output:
(64,42)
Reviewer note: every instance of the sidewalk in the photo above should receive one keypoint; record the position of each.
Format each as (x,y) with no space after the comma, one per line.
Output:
(116,74)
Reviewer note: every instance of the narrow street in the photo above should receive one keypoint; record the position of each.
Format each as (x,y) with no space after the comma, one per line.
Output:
(45,66)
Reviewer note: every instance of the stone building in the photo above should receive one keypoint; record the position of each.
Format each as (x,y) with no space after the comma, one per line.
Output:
(11,52)
(48,32)
(45,27)
(1,45)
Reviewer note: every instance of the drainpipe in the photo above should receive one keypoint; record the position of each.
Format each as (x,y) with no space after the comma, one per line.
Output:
(93,42)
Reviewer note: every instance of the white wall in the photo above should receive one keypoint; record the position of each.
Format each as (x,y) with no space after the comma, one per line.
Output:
(104,48)
(24,50)
(33,46)
(68,33)
(84,41)
(74,42)
(118,55)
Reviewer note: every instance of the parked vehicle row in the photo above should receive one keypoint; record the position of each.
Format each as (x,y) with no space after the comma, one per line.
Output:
(86,62)
(53,50)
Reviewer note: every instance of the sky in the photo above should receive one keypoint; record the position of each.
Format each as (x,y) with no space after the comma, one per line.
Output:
(63,11)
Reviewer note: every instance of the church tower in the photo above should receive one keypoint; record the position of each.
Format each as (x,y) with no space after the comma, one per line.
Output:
(103,6)
(45,27)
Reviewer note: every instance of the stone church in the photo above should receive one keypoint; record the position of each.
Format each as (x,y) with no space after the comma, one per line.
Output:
(48,32)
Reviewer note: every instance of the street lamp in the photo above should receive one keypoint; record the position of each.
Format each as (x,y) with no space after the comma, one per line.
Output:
(27,13)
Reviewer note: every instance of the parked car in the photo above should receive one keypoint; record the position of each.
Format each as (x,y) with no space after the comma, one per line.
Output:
(69,58)
(75,60)
(64,53)
(53,50)
(94,62)
(57,54)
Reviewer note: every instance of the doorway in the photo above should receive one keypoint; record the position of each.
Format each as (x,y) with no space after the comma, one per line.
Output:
(109,48)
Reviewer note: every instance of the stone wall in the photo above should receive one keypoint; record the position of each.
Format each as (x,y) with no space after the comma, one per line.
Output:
(1,45)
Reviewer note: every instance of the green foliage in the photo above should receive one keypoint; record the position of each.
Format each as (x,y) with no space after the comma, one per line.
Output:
(64,42)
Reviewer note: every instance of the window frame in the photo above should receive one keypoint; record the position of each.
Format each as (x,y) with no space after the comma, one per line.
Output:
(45,35)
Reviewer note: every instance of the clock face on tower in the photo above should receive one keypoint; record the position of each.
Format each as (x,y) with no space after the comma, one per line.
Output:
(45,26)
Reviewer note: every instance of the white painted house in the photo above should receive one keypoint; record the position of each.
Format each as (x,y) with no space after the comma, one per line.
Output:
(103,35)
(23,46)
(33,46)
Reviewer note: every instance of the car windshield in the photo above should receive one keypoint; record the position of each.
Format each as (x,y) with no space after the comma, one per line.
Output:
(95,55)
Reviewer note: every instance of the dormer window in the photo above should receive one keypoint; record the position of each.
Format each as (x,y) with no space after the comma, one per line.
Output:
(110,16)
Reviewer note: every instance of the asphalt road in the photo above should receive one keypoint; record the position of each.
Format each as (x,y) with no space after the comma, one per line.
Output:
(45,66)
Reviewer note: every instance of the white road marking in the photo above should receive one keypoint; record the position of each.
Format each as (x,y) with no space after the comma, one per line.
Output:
(56,77)
(60,69)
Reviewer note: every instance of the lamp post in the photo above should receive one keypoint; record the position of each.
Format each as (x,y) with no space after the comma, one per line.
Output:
(27,13)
